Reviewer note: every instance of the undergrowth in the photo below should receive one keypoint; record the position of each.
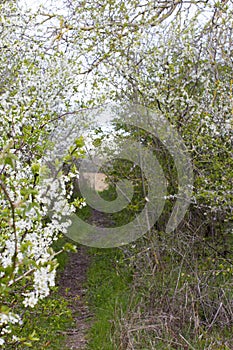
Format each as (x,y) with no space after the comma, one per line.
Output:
(164,292)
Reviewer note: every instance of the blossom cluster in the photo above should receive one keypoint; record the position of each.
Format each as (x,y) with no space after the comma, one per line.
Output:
(5,321)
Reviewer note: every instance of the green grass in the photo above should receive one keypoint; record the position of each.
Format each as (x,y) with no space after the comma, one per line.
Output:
(108,285)
(108,290)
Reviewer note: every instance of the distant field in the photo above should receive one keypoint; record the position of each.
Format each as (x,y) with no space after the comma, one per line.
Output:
(96,181)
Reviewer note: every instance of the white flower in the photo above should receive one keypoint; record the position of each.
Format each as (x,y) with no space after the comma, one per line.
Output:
(15,338)
(30,300)
(10,317)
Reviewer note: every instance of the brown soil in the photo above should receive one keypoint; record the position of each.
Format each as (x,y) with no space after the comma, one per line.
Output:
(71,286)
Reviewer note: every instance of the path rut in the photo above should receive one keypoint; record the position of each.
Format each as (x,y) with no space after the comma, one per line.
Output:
(71,287)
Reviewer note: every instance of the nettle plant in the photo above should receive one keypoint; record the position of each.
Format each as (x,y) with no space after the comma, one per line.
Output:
(32,99)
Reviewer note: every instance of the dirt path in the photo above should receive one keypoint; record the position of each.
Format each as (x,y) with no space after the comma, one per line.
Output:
(71,286)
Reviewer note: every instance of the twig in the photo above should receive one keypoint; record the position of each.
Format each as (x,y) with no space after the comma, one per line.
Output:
(186,341)
(216,315)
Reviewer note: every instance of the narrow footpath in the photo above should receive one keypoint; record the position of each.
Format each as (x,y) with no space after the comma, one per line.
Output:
(71,287)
